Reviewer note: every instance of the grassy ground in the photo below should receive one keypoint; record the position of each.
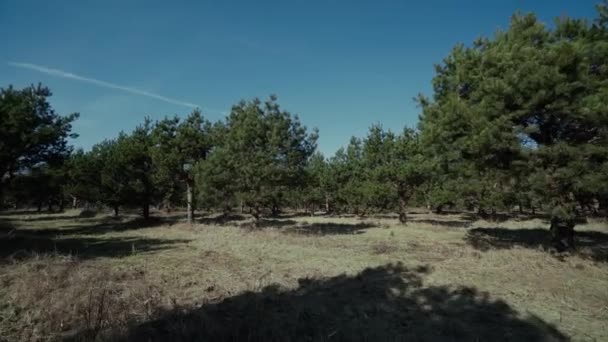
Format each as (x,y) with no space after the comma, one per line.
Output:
(298,278)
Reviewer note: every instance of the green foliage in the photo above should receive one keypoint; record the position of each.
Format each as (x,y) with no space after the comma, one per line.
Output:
(525,109)
(177,145)
(32,133)
(38,186)
(314,191)
(263,152)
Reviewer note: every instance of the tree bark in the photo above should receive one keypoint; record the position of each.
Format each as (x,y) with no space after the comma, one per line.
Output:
(402,206)
(481,212)
(146,210)
(275,210)
(256,215)
(327,204)
(521,208)
(602,206)
(115,210)
(189,202)
(311,209)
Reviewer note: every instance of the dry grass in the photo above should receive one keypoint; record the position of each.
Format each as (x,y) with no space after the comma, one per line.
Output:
(441,277)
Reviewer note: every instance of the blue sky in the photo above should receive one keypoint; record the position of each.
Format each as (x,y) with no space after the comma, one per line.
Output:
(340,65)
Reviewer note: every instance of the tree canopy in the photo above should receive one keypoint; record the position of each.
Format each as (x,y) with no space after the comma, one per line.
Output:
(32,132)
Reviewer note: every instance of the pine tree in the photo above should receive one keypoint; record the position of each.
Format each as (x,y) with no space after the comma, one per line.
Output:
(531,97)
(264,152)
(177,146)
(32,132)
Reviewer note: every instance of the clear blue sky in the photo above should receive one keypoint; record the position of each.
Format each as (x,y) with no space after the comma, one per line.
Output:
(340,65)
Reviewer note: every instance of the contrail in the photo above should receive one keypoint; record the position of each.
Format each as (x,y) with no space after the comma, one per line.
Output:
(65,74)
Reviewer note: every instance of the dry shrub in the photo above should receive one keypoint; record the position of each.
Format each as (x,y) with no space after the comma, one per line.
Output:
(56,297)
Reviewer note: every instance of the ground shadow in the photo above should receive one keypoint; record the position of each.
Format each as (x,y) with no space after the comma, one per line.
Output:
(20,246)
(329,228)
(109,224)
(96,225)
(49,217)
(288,215)
(20,212)
(443,223)
(17,243)
(272,223)
(591,244)
(387,303)
(221,220)
(305,228)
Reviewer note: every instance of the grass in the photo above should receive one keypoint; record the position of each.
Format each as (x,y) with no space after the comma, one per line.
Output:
(298,278)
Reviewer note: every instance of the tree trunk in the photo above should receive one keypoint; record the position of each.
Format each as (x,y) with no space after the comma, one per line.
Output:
(50,207)
(256,216)
(61,205)
(602,206)
(275,210)
(74,202)
(115,210)
(311,209)
(327,204)
(562,234)
(402,207)
(146,210)
(189,202)
(39,207)
(521,208)
(363,213)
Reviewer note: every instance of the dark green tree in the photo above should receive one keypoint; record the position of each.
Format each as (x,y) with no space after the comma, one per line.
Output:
(264,151)
(314,191)
(31,132)
(531,97)
(177,146)
(395,166)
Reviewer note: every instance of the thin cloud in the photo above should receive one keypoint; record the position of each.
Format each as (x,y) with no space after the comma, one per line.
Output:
(69,75)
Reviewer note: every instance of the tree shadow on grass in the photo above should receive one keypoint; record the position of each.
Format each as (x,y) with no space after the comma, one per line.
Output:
(288,215)
(316,228)
(442,223)
(590,244)
(21,247)
(95,225)
(21,244)
(272,223)
(50,217)
(221,220)
(6,213)
(329,228)
(111,224)
(387,303)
